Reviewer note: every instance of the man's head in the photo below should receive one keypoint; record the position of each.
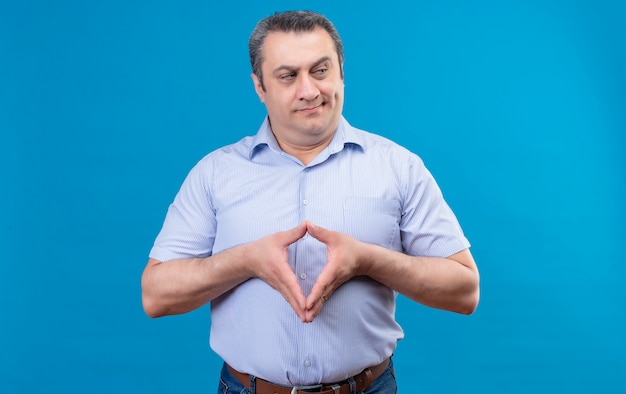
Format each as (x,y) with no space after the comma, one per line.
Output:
(297,61)
(289,22)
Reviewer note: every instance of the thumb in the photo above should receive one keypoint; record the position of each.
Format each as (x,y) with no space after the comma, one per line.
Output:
(317,232)
(294,234)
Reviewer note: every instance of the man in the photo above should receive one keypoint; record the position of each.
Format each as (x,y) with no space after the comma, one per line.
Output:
(302,236)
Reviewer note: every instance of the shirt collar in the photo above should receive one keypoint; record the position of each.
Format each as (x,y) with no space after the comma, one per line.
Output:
(345,135)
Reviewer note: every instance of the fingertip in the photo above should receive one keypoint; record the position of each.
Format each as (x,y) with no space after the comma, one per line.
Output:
(312,229)
(308,319)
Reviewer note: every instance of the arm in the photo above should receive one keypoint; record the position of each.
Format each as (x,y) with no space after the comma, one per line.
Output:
(450,283)
(180,286)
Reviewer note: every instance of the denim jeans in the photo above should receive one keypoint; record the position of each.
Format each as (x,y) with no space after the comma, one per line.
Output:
(384,384)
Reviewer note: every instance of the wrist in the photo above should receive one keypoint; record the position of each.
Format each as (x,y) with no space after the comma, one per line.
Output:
(367,258)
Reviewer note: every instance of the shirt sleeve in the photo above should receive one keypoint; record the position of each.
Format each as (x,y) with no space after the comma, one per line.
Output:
(189,227)
(428,226)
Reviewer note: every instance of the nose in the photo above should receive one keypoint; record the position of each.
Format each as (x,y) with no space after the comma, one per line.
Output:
(307,89)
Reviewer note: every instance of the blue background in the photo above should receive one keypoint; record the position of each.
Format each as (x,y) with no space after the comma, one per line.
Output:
(518,108)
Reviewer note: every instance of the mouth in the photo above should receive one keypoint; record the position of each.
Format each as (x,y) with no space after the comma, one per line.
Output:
(311,109)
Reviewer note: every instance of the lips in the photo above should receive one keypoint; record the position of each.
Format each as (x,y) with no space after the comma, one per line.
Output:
(308,109)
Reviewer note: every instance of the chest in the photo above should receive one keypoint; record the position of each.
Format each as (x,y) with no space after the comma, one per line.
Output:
(252,201)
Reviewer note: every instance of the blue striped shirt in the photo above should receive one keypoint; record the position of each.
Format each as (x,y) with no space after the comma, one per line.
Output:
(363,185)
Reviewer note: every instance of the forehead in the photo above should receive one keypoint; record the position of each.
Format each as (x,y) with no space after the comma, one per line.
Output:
(299,48)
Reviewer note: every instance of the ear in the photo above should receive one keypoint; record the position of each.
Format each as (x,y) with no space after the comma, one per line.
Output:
(258,88)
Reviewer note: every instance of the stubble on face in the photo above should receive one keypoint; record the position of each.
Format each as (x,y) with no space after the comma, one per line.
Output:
(303,88)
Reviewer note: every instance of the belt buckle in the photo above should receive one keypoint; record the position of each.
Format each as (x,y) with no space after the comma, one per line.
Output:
(335,387)
(295,389)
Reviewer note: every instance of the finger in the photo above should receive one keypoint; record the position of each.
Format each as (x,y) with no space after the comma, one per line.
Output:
(314,230)
(294,234)
(296,301)
(317,306)
(314,303)
(311,314)
(292,292)
(322,290)
(317,232)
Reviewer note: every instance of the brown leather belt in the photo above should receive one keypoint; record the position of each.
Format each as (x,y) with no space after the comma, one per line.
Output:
(362,380)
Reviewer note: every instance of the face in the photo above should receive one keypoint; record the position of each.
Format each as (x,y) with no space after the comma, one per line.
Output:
(303,88)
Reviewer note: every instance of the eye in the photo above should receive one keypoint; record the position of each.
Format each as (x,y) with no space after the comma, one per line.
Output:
(287,77)
(320,71)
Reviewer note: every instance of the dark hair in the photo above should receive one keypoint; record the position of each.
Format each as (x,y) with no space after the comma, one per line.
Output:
(287,22)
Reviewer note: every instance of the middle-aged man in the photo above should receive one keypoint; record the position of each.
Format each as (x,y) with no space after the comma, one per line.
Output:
(302,235)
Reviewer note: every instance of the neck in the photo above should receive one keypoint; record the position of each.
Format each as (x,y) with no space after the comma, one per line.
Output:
(304,153)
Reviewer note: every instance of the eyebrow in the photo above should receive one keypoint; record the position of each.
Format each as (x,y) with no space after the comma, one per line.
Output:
(292,68)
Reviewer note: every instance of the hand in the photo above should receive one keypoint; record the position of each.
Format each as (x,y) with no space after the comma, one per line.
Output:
(343,263)
(270,263)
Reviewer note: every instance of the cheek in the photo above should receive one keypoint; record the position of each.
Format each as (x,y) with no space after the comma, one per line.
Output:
(335,91)
(338,98)
(279,107)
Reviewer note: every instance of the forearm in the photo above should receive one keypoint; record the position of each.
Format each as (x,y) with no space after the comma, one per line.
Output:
(180,286)
(445,283)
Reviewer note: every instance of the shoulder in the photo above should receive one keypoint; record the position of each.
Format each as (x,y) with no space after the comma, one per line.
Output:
(241,148)
(376,145)
(219,162)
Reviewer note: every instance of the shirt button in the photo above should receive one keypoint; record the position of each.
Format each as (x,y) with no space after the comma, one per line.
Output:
(307,363)
(303,276)
(305,202)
